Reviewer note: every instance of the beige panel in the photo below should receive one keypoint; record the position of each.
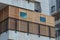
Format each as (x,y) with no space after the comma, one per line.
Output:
(44,30)
(13,12)
(11,24)
(52,32)
(50,21)
(23,26)
(36,17)
(33,28)
(32,16)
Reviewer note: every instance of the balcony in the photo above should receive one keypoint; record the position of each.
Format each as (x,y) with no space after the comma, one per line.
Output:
(23,20)
(26,27)
(31,16)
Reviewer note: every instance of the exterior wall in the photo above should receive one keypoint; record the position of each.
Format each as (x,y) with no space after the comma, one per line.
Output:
(45,5)
(52,3)
(14,12)
(30,16)
(4,36)
(19,3)
(4,13)
(57,5)
(11,20)
(23,36)
(58,38)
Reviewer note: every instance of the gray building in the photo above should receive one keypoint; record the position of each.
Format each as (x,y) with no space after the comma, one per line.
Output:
(57,19)
(32,12)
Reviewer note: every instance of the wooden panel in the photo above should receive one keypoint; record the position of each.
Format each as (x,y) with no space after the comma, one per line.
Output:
(44,30)
(3,26)
(52,32)
(35,18)
(33,28)
(18,25)
(50,21)
(13,12)
(32,16)
(11,24)
(23,26)
(4,13)
(1,15)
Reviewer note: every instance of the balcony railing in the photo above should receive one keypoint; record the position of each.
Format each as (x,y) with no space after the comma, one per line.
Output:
(27,27)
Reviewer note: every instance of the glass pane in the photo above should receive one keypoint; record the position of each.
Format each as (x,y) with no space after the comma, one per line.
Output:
(23,15)
(42,19)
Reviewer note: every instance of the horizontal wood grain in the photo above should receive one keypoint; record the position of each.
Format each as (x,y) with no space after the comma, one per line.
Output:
(32,16)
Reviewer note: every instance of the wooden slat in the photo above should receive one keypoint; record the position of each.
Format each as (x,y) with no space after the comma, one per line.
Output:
(23,26)
(33,28)
(52,32)
(44,30)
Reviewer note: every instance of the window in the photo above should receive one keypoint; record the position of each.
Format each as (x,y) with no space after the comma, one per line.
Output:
(42,19)
(58,32)
(59,4)
(52,9)
(37,7)
(23,14)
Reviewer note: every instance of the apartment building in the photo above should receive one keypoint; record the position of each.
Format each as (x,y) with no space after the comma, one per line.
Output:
(27,20)
(57,19)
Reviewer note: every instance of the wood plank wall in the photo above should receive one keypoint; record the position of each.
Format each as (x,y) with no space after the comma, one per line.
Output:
(32,24)
(31,16)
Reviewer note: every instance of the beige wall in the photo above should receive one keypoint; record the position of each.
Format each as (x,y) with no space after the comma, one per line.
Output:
(32,16)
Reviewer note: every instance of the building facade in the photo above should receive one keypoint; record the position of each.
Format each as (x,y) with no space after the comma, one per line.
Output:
(57,19)
(27,20)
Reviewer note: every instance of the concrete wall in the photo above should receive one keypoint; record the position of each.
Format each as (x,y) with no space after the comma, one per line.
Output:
(4,36)
(22,36)
(19,3)
(52,3)
(45,4)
